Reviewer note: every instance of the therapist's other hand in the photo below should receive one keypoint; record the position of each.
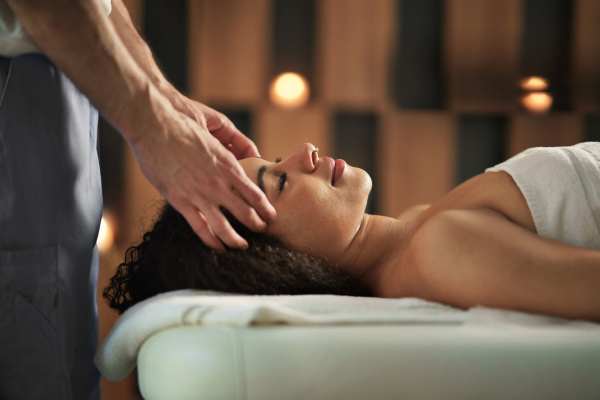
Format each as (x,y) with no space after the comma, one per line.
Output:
(196,175)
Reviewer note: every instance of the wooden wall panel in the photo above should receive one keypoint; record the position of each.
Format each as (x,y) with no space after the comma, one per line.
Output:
(279,132)
(525,131)
(586,56)
(416,159)
(480,143)
(482,54)
(229,50)
(417,79)
(354,41)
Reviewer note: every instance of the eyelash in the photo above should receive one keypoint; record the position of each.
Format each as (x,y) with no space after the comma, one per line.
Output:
(282,177)
(282,181)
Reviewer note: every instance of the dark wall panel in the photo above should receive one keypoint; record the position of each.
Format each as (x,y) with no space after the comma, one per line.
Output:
(355,140)
(112,163)
(546,46)
(165,29)
(294,37)
(480,144)
(592,128)
(416,74)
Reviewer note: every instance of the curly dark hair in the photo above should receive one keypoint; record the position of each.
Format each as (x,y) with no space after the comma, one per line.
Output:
(171,257)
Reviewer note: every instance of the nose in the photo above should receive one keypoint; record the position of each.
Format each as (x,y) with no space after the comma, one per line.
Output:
(305,157)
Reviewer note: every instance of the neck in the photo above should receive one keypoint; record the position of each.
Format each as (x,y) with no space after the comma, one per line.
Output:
(374,256)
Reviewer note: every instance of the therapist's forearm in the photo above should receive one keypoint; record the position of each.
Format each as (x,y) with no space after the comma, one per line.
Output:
(79,38)
(137,47)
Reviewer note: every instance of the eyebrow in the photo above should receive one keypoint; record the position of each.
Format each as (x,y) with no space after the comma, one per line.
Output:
(259,178)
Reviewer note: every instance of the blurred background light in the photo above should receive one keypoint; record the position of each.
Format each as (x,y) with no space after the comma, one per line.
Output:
(289,90)
(537,102)
(534,84)
(106,235)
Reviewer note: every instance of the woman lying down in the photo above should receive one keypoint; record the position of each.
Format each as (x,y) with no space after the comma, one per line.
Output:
(522,236)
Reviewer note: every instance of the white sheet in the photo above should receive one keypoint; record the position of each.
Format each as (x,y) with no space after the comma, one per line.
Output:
(117,354)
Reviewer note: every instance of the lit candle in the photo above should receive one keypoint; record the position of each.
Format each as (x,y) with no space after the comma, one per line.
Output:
(289,90)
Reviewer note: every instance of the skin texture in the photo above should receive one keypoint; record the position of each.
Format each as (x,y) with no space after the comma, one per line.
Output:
(185,149)
(317,216)
(476,246)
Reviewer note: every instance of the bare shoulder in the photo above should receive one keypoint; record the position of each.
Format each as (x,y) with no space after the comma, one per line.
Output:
(452,247)
(449,233)
(480,257)
(495,191)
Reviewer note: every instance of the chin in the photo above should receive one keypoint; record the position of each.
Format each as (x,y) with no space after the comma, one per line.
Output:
(362,184)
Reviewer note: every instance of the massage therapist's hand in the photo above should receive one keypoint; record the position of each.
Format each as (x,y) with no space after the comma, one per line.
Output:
(112,65)
(217,124)
(197,174)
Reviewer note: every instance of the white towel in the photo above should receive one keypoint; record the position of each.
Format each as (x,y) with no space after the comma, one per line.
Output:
(117,354)
(562,189)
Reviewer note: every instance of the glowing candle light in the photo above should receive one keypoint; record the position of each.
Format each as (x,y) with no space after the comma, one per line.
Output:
(534,84)
(289,90)
(537,102)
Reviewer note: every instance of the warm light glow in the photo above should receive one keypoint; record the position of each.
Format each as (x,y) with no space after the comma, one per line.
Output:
(106,235)
(289,90)
(534,84)
(537,102)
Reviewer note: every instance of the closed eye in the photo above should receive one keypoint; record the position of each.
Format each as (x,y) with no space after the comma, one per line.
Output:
(278,159)
(282,181)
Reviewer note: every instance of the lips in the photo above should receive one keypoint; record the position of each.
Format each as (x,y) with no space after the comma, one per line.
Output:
(338,167)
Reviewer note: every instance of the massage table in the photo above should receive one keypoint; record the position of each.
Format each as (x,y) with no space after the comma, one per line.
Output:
(205,345)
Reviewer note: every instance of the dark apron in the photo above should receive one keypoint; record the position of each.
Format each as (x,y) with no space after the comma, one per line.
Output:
(50,209)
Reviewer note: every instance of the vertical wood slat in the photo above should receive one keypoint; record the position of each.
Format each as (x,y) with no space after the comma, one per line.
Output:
(482,54)
(229,50)
(355,140)
(354,39)
(416,159)
(561,129)
(294,37)
(417,79)
(481,145)
(592,128)
(586,56)
(165,29)
(546,46)
(279,132)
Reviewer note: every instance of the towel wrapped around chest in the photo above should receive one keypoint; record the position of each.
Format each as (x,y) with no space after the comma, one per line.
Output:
(562,188)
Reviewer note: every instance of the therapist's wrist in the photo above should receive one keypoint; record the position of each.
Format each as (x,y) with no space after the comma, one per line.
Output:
(147,114)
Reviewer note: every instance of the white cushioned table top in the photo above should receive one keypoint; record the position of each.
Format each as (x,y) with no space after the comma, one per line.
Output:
(203,345)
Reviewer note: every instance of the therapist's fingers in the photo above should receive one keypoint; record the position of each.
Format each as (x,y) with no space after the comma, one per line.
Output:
(253,198)
(223,229)
(243,145)
(197,175)
(201,227)
(230,187)
(225,131)
(235,151)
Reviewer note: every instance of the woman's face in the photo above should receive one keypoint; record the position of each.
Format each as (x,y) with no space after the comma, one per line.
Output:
(320,202)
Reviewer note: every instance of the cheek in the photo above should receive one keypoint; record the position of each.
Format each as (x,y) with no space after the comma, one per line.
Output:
(321,224)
